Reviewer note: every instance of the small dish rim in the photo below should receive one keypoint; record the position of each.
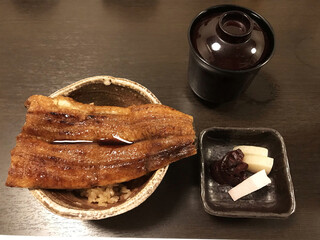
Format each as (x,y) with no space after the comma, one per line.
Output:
(243,214)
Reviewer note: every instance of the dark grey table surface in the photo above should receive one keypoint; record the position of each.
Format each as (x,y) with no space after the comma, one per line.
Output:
(45,45)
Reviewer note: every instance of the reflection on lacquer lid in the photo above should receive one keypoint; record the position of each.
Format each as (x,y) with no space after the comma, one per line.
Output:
(230,40)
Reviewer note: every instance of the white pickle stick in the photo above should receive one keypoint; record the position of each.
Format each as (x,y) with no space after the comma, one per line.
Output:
(251,184)
(252,150)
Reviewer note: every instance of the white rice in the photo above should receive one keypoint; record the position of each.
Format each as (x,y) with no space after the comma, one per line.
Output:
(102,196)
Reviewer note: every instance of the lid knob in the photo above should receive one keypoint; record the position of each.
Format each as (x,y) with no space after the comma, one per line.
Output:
(234,27)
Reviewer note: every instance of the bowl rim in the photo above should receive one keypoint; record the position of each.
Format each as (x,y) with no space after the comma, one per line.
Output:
(130,203)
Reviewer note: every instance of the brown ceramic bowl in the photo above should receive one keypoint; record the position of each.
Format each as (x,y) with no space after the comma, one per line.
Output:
(103,90)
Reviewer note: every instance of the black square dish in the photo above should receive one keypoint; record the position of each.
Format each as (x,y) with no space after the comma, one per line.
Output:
(276,200)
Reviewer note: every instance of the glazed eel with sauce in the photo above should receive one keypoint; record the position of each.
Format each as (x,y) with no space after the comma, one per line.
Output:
(65,144)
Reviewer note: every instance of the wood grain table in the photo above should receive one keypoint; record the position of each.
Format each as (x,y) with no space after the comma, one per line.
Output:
(45,45)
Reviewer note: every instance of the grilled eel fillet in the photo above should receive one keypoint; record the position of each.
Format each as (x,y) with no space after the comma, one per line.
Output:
(158,135)
(62,118)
